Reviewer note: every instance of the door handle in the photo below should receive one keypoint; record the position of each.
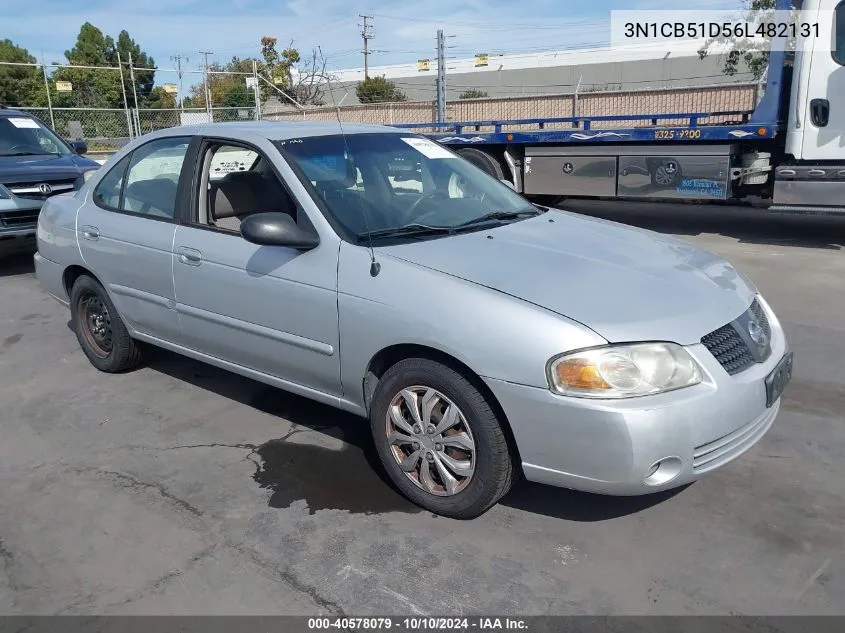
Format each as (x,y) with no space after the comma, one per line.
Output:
(189,256)
(820,112)
(91,233)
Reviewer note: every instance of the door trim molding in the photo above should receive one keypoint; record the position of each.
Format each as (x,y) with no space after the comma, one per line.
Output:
(259,330)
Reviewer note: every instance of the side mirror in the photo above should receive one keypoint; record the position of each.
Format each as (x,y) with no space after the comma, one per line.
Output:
(80,147)
(276,229)
(508,183)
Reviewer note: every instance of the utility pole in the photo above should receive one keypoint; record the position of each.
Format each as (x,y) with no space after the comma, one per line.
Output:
(205,54)
(367,35)
(178,59)
(441,76)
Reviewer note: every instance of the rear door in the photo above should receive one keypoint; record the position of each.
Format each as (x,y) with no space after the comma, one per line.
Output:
(823,105)
(125,234)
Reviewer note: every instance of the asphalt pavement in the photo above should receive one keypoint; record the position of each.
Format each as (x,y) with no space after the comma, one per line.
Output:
(179,488)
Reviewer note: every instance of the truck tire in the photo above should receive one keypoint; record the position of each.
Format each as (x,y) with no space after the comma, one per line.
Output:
(484,161)
(99,329)
(439,440)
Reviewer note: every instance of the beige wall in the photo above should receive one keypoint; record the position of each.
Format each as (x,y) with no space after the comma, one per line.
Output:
(591,104)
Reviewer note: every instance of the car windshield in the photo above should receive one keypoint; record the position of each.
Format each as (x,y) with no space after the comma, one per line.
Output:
(26,136)
(396,185)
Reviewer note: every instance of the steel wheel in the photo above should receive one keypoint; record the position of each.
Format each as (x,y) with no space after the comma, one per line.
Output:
(96,324)
(431,441)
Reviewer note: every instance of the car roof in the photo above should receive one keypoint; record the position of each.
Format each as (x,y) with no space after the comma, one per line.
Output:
(274,130)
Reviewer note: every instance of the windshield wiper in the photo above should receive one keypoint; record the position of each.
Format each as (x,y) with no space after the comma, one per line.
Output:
(495,216)
(32,154)
(407,229)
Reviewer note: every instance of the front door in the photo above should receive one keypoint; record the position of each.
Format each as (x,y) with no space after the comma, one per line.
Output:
(267,308)
(823,106)
(126,235)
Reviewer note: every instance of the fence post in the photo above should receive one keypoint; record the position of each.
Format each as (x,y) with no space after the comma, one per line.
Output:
(256,90)
(134,96)
(575,101)
(125,102)
(47,88)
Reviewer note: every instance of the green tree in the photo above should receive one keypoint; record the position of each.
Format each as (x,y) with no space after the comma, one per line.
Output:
(279,65)
(144,79)
(239,96)
(101,87)
(377,90)
(737,52)
(473,93)
(20,85)
(224,80)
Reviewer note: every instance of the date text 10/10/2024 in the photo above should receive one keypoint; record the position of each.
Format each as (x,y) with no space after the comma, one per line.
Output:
(479,624)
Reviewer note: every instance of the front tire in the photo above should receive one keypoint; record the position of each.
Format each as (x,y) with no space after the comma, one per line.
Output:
(439,440)
(99,329)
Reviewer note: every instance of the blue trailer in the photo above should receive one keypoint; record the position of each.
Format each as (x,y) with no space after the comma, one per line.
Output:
(787,154)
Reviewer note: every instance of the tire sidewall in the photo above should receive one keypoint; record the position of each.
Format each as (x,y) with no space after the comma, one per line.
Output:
(87,285)
(478,495)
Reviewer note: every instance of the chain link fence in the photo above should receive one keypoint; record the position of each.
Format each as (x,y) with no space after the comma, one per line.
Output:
(106,129)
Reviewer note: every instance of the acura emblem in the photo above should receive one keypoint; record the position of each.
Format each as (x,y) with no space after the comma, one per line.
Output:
(45,189)
(757,334)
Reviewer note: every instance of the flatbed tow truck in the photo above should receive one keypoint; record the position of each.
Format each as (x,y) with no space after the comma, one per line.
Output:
(787,155)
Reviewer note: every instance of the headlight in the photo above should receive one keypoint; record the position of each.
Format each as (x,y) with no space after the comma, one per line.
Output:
(623,371)
(3,193)
(86,175)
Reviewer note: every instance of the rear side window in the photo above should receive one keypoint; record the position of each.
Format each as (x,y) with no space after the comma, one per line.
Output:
(153,177)
(839,34)
(107,193)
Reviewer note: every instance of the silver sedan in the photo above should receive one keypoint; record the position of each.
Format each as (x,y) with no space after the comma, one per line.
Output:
(483,337)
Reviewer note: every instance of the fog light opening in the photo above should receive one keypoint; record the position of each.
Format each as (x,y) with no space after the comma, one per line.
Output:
(662,471)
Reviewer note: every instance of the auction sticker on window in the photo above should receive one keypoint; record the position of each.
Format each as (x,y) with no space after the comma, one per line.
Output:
(427,148)
(21,122)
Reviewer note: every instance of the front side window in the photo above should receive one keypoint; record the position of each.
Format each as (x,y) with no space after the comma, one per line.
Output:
(372,183)
(153,177)
(238,182)
(839,34)
(26,136)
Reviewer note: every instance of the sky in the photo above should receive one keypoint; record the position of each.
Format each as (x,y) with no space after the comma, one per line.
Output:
(403,30)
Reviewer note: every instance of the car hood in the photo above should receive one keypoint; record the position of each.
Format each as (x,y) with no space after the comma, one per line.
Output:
(43,167)
(625,284)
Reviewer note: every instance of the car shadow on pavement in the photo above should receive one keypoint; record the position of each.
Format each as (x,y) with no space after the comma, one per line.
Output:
(351,477)
(16,260)
(750,226)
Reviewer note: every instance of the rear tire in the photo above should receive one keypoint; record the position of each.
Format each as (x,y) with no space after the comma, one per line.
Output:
(484,161)
(451,457)
(99,329)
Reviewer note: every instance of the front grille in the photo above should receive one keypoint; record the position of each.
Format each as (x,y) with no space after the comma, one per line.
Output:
(18,220)
(729,349)
(30,190)
(720,451)
(737,352)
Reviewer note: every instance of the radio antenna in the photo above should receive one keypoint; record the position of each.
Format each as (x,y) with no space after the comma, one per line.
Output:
(375,267)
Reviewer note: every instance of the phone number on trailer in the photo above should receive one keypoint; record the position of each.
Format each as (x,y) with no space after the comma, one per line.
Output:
(695,30)
(482,625)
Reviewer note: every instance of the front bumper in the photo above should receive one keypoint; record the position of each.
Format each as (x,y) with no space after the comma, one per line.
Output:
(19,217)
(611,446)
